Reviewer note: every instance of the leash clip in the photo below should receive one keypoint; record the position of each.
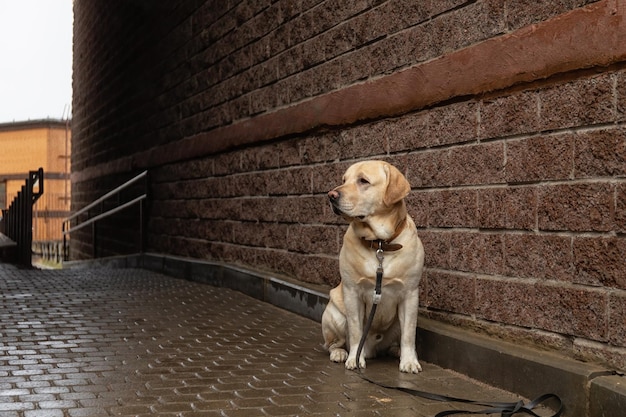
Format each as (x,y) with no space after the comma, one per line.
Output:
(379,254)
(379,273)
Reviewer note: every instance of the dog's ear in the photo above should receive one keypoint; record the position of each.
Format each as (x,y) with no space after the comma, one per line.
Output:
(397,186)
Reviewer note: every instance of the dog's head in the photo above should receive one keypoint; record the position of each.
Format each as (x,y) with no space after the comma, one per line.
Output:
(370,188)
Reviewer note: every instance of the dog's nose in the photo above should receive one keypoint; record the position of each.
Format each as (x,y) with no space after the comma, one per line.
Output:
(333,195)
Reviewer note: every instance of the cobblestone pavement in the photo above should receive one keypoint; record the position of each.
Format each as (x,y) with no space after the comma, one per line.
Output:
(134,343)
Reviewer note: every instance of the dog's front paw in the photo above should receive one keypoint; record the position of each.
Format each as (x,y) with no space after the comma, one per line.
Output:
(338,355)
(410,366)
(351,363)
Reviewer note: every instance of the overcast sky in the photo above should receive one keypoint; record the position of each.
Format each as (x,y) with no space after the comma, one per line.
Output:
(35,59)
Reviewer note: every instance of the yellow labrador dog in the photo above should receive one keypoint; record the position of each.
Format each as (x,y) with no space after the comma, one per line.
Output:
(371,198)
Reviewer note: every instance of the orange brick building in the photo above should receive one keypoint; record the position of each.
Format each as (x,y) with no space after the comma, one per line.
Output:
(26,146)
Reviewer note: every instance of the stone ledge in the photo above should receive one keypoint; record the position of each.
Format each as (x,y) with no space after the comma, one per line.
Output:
(585,389)
(607,396)
(520,369)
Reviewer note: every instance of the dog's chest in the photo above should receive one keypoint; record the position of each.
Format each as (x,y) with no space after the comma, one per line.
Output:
(359,267)
(386,313)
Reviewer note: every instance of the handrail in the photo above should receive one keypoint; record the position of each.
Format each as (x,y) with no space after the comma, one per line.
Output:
(107,195)
(66,225)
(105,214)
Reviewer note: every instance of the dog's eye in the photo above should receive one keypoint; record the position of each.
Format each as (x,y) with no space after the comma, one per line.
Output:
(363,181)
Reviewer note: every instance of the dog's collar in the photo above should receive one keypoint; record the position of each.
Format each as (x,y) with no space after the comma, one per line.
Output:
(386,245)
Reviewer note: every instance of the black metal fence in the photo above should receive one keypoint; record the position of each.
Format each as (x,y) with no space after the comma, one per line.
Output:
(18,218)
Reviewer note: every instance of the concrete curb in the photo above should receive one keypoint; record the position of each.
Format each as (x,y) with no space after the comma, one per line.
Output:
(607,396)
(586,389)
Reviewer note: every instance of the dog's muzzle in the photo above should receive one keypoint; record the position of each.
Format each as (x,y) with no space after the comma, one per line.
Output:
(334,197)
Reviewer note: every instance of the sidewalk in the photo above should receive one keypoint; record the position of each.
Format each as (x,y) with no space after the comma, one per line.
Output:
(129,342)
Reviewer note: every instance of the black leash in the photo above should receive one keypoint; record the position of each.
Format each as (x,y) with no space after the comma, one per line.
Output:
(376,300)
(505,409)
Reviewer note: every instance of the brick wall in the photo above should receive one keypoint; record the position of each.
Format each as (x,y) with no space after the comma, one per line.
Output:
(27,146)
(507,117)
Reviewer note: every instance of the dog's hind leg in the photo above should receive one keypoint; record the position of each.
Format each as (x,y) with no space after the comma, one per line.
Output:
(338,354)
(334,331)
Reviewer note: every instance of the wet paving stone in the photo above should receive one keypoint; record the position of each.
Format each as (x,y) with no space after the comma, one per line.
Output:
(137,343)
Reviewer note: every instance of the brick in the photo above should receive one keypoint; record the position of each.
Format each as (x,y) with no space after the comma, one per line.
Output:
(289,209)
(247,161)
(450,292)
(338,40)
(287,64)
(399,161)
(568,310)
(543,257)
(505,301)
(539,158)
(577,103)
(289,153)
(437,247)
(509,115)
(455,123)
(621,95)
(578,207)
(174,407)
(409,132)
(620,209)
(469,25)
(261,100)
(57,404)
(417,204)
(257,234)
(452,208)
(407,13)
(371,25)
(318,269)
(600,154)
(192,169)
(86,412)
(262,158)
(206,229)
(476,164)
(218,209)
(526,12)
(244,412)
(617,318)
(477,252)
(285,181)
(313,239)
(326,177)
(428,168)
(327,76)
(611,357)
(507,208)
(363,141)
(395,51)
(320,148)
(205,188)
(600,261)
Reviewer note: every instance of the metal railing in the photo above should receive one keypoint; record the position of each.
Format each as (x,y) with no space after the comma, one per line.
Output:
(18,218)
(67,227)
